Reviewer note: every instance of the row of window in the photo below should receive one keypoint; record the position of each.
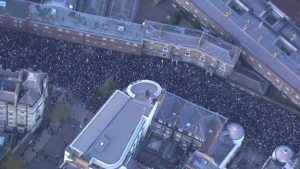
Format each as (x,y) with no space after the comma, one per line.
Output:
(87,35)
(273,78)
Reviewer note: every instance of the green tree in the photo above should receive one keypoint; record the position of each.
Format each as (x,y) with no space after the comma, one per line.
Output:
(60,112)
(13,161)
(108,87)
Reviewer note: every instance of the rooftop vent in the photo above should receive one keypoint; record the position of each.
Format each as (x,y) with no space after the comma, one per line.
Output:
(293,37)
(121,28)
(3,4)
(102,144)
(228,12)
(53,11)
(246,25)
(71,6)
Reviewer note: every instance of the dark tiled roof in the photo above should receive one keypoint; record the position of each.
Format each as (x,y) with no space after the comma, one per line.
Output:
(284,65)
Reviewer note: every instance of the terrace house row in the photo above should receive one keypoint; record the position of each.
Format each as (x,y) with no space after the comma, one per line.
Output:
(116,33)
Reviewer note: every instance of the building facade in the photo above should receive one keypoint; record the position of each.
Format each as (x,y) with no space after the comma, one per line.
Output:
(269,39)
(211,53)
(22,100)
(189,45)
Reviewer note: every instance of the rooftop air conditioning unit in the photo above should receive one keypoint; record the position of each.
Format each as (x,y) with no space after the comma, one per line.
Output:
(3,3)
(121,28)
(71,6)
(53,11)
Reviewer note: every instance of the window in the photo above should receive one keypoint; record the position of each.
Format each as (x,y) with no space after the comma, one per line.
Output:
(297,97)
(187,3)
(112,40)
(271,17)
(285,46)
(201,64)
(47,27)
(221,73)
(60,30)
(187,58)
(67,31)
(238,7)
(135,44)
(187,53)
(165,49)
(164,55)
(223,67)
(80,34)
(202,58)
(260,66)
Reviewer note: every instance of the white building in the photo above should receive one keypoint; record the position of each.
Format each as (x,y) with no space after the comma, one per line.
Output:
(110,139)
(22,98)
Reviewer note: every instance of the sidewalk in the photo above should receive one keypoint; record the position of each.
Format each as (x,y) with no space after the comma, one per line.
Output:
(32,151)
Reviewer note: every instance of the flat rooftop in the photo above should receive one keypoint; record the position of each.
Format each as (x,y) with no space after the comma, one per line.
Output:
(192,38)
(86,23)
(107,135)
(261,30)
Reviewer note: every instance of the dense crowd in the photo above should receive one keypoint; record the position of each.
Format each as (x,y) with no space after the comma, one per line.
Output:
(81,70)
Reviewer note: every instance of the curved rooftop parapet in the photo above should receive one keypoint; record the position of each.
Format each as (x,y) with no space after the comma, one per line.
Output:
(144,90)
(236,131)
(283,154)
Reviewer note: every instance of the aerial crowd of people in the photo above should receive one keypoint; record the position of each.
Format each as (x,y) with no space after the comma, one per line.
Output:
(81,70)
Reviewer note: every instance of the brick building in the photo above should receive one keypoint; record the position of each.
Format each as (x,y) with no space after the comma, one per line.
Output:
(269,38)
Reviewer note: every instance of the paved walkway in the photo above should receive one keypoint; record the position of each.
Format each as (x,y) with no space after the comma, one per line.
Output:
(39,144)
